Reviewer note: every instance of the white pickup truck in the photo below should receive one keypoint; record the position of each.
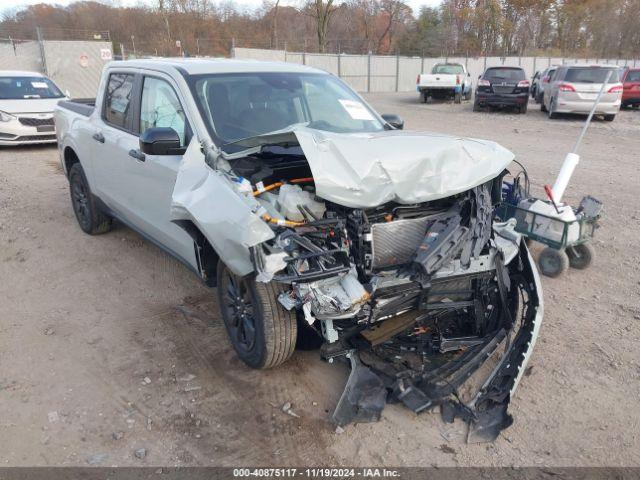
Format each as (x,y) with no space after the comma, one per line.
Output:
(446,80)
(317,217)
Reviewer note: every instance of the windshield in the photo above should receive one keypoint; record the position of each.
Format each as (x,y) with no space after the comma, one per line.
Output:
(15,88)
(592,75)
(504,74)
(452,69)
(242,105)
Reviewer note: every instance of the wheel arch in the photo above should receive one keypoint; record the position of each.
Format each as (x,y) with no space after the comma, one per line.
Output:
(206,255)
(69,158)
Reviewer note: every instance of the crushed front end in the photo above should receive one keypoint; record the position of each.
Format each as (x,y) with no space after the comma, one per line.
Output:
(434,304)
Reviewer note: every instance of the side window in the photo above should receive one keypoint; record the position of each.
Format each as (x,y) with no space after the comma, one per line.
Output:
(160,107)
(118,100)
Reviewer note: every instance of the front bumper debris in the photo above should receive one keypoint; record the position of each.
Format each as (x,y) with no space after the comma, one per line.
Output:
(364,395)
(372,382)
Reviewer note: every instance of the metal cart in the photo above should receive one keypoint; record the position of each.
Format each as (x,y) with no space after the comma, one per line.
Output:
(567,241)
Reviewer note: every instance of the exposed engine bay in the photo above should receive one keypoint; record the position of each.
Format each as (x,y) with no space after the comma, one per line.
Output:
(419,297)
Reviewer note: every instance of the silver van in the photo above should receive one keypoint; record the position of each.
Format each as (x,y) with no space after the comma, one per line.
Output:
(573,89)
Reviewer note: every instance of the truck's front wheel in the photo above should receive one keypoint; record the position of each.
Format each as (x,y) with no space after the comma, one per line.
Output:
(262,332)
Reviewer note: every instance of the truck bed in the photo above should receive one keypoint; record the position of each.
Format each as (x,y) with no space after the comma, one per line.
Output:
(82,106)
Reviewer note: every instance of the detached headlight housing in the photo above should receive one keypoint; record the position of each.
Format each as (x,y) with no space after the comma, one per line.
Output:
(6,117)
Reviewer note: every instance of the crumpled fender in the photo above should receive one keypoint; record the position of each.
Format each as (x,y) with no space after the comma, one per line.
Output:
(208,198)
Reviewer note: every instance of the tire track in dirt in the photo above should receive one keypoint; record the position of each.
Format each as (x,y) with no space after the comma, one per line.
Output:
(252,398)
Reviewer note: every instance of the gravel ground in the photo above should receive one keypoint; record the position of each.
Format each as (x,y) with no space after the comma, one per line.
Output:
(112,353)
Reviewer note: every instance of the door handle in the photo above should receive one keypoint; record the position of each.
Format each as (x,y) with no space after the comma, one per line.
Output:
(98,137)
(137,154)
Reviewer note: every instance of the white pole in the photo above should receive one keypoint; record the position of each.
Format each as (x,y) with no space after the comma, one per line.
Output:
(572,159)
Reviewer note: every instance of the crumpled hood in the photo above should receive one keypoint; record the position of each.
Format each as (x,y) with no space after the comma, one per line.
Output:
(369,169)
(29,105)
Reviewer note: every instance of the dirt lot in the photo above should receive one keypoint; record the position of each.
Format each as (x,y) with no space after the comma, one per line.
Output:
(107,345)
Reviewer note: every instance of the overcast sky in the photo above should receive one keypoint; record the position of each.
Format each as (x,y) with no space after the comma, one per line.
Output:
(13,4)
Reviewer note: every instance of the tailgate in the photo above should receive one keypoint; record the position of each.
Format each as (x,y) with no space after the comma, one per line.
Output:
(502,88)
(438,80)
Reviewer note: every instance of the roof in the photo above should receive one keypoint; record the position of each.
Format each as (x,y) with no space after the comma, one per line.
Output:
(584,65)
(195,66)
(19,73)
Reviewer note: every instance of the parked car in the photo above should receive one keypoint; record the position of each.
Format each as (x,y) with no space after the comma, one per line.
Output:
(535,80)
(446,80)
(573,89)
(543,82)
(502,87)
(27,101)
(313,215)
(631,87)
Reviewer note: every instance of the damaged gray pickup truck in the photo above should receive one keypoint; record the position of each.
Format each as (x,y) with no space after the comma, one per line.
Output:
(316,217)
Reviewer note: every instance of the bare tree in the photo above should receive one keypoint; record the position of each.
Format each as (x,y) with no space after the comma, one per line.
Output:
(322,11)
(391,12)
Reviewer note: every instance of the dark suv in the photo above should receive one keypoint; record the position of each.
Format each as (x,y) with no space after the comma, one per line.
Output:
(502,87)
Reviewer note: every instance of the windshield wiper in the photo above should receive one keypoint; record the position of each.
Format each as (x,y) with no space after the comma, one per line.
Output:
(266,138)
(278,150)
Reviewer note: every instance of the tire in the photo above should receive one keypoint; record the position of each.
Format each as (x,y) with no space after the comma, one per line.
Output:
(476,107)
(609,118)
(90,218)
(553,262)
(543,108)
(581,256)
(261,331)
(523,108)
(457,98)
(423,97)
(551,113)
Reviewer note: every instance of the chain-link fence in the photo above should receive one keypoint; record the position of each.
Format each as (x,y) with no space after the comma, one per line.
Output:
(73,59)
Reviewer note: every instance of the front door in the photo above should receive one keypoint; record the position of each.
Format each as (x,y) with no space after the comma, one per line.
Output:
(155,175)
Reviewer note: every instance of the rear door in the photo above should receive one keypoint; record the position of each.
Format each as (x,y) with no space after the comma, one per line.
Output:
(113,139)
(583,84)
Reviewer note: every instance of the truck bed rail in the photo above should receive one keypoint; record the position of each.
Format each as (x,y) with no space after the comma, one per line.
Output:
(82,106)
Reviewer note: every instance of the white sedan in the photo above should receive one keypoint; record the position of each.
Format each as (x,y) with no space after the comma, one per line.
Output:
(27,101)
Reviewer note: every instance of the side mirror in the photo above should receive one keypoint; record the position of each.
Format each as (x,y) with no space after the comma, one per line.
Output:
(394,120)
(160,141)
